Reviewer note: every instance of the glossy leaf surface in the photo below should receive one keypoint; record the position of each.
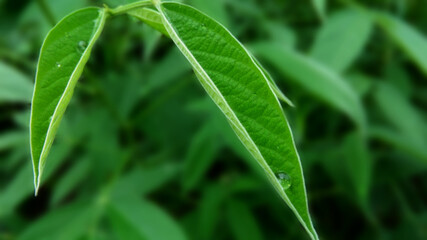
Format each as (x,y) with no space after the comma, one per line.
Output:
(64,53)
(242,91)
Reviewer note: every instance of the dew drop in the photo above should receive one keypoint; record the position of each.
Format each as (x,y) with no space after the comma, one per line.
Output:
(284,179)
(58,65)
(81,46)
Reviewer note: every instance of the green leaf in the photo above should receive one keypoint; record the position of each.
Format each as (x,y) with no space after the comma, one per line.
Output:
(64,53)
(359,165)
(341,39)
(360,82)
(240,89)
(314,78)
(320,7)
(280,33)
(150,17)
(243,223)
(139,219)
(406,37)
(200,156)
(209,210)
(67,223)
(12,139)
(142,181)
(395,138)
(14,86)
(399,111)
(159,78)
(70,180)
(20,186)
(279,94)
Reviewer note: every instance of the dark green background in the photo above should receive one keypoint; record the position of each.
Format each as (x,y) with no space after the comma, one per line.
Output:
(141,146)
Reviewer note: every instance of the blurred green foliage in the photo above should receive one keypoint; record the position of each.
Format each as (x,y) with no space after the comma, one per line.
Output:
(143,153)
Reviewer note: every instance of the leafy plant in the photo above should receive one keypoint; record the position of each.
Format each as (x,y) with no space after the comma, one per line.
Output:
(231,76)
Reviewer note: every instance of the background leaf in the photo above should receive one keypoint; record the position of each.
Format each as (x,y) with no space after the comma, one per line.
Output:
(406,37)
(14,86)
(341,39)
(136,219)
(242,222)
(315,78)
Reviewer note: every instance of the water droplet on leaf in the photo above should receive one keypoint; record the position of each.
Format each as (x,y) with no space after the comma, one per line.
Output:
(81,46)
(284,179)
(58,65)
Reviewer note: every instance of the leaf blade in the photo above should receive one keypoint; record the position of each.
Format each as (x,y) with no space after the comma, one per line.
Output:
(331,46)
(14,86)
(251,124)
(406,37)
(133,218)
(150,17)
(61,63)
(317,79)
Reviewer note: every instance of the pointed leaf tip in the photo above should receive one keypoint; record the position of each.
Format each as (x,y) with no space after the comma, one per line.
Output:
(63,56)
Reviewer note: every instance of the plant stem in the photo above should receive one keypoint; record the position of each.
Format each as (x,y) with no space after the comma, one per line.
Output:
(128,7)
(46,11)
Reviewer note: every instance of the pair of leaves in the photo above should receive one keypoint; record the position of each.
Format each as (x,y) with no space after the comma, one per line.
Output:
(231,76)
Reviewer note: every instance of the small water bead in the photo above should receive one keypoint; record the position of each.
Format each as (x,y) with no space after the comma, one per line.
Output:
(284,179)
(58,65)
(81,46)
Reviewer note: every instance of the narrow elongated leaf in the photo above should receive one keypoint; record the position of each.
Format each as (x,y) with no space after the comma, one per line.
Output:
(279,94)
(320,7)
(67,223)
(315,78)
(209,214)
(14,86)
(242,222)
(12,139)
(64,53)
(341,39)
(395,138)
(142,181)
(70,180)
(242,91)
(359,165)
(136,219)
(406,119)
(20,187)
(200,156)
(280,33)
(158,77)
(406,37)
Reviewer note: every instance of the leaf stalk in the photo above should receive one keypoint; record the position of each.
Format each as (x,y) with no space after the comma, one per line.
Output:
(125,8)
